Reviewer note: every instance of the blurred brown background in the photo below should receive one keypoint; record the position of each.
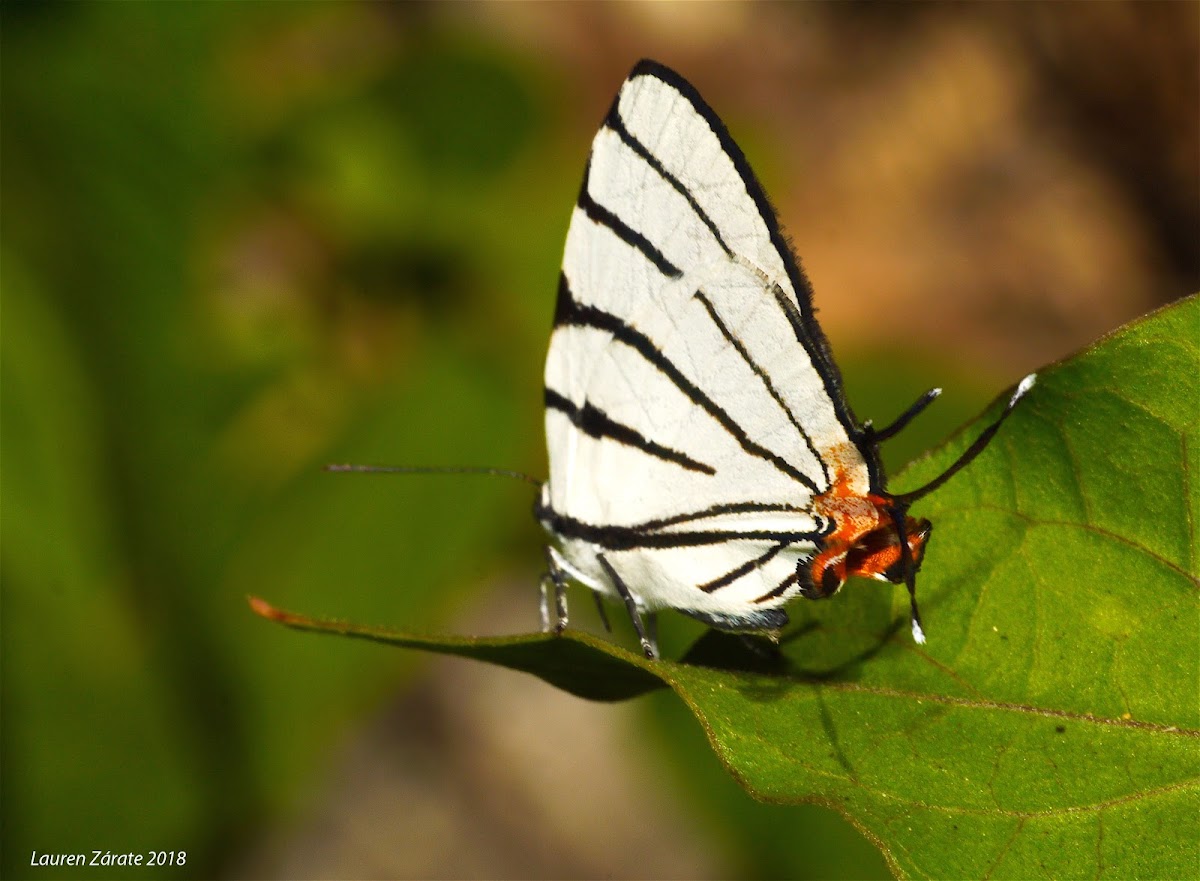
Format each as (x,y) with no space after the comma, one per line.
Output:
(242,240)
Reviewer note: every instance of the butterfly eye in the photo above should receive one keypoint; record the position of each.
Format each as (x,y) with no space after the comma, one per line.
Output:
(918,535)
(896,572)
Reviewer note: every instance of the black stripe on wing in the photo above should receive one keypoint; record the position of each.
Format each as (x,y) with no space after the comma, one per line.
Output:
(780,589)
(569,311)
(732,508)
(808,332)
(595,422)
(745,569)
(616,124)
(740,348)
(623,538)
(622,230)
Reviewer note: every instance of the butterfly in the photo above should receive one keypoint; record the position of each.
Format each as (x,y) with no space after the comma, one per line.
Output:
(703,457)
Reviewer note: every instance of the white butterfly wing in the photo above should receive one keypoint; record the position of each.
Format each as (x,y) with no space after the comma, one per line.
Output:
(692,408)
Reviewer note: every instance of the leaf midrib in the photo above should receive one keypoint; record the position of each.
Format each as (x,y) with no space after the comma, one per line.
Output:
(1091,807)
(924,697)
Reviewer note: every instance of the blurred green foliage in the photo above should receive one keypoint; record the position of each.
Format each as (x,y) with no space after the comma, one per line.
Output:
(204,300)
(241,241)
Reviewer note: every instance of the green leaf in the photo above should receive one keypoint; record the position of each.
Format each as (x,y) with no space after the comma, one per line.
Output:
(577,662)
(1050,728)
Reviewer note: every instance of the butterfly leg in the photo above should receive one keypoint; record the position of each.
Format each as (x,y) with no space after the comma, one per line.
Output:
(602,611)
(554,576)
(649,646)
(544,605)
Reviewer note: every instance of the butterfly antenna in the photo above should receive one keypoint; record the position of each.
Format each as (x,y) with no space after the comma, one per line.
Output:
(882,434)
(899,517)
(434,469)
(906,499)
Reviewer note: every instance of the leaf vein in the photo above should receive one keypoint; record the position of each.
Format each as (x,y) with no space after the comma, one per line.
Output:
(1003,706)
(1017,829)
(1091,808)
(1087,527)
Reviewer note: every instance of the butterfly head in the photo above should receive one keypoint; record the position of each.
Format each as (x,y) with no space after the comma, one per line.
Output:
(866,542)
(878,554)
